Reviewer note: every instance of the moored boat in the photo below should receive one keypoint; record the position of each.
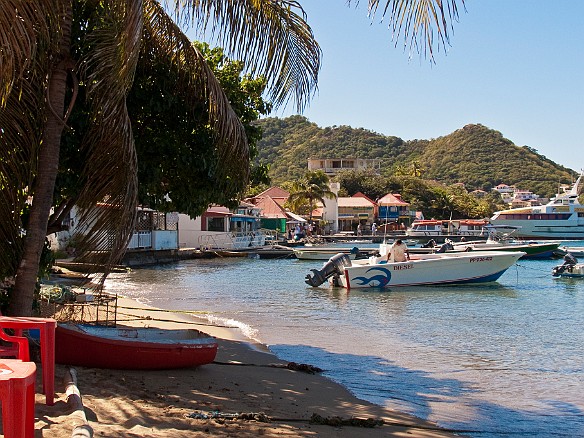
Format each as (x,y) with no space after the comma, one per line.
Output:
(423,269)
(325,253)
(501,239)
(132,348)
(562,218)
(570,268)
(576,251)
(453,229)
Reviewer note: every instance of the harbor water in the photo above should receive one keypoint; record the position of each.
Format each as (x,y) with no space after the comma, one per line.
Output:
(498,359)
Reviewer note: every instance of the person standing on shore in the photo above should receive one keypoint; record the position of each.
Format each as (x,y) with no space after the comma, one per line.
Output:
(398,252)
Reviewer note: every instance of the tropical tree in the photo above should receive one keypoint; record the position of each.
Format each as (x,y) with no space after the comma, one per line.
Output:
(49,48)
(313,188)
(43,62)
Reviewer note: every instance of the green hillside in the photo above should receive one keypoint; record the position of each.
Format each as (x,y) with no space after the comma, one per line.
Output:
(475,155)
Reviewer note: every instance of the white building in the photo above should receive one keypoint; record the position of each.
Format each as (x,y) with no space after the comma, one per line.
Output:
(331,166)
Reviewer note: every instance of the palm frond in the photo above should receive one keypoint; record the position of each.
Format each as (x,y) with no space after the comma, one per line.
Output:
(417,19)
(22,24)
(110,171)
(165,40)
(23,72)
(271,37)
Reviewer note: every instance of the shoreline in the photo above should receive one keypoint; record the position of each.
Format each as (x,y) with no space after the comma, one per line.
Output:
(246,377)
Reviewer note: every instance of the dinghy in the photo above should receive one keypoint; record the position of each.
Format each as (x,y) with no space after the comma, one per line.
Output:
(132,348)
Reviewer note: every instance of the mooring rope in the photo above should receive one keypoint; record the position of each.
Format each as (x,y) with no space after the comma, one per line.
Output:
(149,318)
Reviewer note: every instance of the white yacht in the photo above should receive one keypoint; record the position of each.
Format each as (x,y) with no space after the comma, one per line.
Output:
(562,218)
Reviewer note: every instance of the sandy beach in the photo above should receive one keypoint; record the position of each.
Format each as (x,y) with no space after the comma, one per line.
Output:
(245,379)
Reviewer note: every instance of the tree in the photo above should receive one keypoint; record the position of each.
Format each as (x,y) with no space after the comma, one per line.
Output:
(43,55)
(177,160)
(311,189)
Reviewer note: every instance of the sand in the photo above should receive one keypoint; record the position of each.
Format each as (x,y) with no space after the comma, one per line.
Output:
(245,378)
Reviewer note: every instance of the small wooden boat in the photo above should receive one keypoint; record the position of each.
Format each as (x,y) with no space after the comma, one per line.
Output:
(132,348)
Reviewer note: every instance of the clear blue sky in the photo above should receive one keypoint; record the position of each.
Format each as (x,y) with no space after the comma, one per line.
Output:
(515,66)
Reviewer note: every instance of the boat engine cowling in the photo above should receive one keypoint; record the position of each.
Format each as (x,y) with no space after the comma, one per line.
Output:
(569,260)
(334,266)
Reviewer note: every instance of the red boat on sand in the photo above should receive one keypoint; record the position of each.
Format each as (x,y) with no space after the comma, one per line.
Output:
(132,348)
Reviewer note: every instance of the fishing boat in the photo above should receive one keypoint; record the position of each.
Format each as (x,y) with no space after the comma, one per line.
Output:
(570,268)
(562,218)
(423,269)
(132,348)
(501,238)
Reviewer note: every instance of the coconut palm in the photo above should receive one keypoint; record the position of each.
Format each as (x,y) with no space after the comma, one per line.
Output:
(40,69)
(41,66)
(313,188)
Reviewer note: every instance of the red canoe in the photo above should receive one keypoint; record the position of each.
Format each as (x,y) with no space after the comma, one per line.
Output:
(132,348)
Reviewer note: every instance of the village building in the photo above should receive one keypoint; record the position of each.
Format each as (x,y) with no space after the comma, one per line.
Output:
(355,211)
(394,211)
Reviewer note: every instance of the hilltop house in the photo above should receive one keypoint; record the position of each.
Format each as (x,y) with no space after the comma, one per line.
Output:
(331,166)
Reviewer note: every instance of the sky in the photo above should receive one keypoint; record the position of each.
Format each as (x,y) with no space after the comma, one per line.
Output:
(515,66)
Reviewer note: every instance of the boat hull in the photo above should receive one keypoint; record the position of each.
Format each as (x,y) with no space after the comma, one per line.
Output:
(129,348)
(572,229)
(531,250)
(431,269)
(316,253)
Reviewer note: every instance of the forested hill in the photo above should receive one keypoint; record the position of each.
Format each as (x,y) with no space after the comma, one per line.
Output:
(475,155)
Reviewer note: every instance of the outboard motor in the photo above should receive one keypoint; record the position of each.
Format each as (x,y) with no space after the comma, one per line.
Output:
(334,266)
(569,261)
(446,246)
(429,244)
(358,254)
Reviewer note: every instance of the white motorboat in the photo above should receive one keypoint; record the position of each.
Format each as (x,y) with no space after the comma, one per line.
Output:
(561,219)
(576,251)
(423,269)
(570,268)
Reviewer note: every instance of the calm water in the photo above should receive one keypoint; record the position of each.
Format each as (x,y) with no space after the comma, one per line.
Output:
(505,358)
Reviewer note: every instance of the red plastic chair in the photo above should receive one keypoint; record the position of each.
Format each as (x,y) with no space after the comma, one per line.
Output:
(17,380)
(46,327)
(18,349)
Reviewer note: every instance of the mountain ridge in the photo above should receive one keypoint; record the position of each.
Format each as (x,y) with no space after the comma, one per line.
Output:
(475,155)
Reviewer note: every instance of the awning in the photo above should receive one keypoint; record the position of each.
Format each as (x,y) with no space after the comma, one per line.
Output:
(295,217)
(244,219)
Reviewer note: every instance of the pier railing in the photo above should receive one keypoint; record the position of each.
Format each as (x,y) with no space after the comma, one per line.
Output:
(238,240)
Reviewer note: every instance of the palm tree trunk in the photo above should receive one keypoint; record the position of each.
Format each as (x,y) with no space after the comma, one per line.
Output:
(48,164)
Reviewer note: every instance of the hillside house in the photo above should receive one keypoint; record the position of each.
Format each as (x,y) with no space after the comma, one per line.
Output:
(331,166)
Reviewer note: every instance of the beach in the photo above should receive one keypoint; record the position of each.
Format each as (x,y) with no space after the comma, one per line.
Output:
(244,379)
